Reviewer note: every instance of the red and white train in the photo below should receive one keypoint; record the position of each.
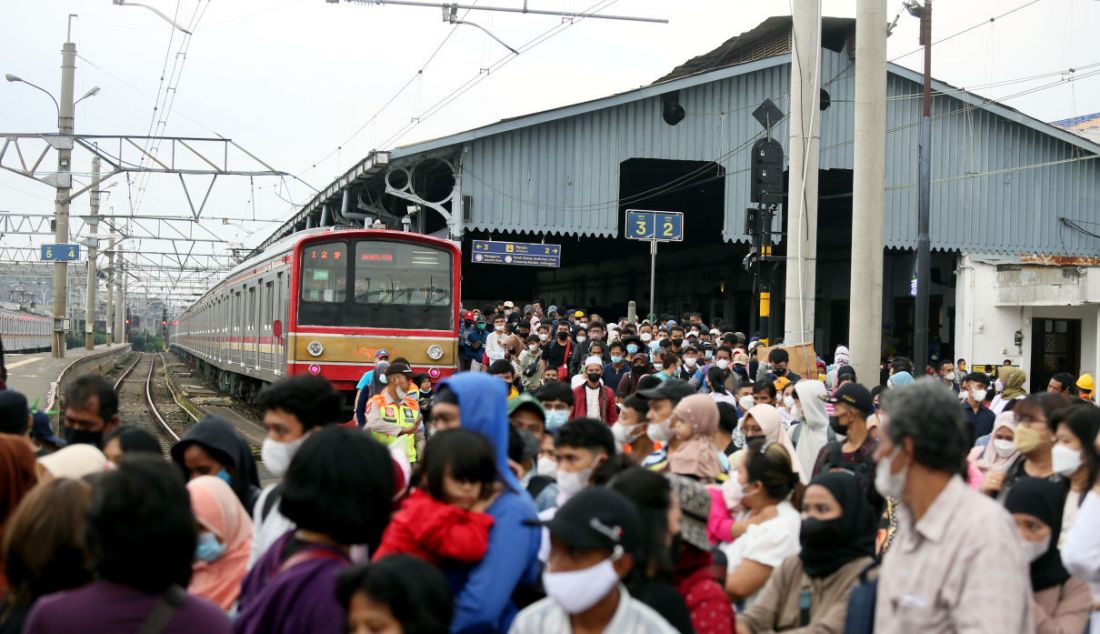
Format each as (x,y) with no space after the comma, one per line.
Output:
(24,332)
(324,301)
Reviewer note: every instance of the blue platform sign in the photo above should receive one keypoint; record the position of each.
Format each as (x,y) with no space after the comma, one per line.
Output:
(517,254)
(60,252)
(662,226)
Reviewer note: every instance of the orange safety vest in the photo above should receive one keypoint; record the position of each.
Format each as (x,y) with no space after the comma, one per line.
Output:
(405,414)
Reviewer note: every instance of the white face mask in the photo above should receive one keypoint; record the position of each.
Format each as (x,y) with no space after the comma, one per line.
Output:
(571,483)
(658,366)
(978,395)
(646,337)
(543,336)
(950,376)
(1004,448)
(732,493)
(746,402)
(660,432)
(533,347)
(1065,460)
(581,339)
(499,328)
(578,590)
(690,361)
(888,484)
(547,466)
(999,386)
(1035,550)
(623,435)
(276,455)
(788,402)
(722,364)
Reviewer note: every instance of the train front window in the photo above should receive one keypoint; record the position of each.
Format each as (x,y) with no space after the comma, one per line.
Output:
(403,285)
(324,273)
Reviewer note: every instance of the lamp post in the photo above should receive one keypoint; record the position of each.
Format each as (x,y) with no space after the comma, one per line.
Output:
(63,179)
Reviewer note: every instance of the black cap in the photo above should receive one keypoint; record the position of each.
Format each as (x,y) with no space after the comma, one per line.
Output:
(398,368)
(672,389)
(855,395)
(597,518)
(978,377)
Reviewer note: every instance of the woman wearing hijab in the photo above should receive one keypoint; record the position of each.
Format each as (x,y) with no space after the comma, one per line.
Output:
(694,421)
(764,421)
(813,432)
(1060,603)
(899,379)
(838,542)
(17,477)
(639,367)
(483,594)
(999,454)
(1013,379)
(213,447)
(225,541)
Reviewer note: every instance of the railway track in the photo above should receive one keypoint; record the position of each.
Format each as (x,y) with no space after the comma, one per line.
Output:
(138,404)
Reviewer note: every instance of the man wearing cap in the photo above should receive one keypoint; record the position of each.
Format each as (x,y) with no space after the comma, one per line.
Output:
(856,453)
(593,399)
(662,399)
(593,539)
(394,415)
(979,418)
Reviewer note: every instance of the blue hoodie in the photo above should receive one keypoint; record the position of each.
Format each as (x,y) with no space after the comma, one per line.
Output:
(483,593)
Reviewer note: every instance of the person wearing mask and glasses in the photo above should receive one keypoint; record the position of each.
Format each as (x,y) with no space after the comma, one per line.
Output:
(1034,439)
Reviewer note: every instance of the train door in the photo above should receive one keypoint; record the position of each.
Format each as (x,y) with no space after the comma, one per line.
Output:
(281,285)
(269,316)
(251,321)
(238,328)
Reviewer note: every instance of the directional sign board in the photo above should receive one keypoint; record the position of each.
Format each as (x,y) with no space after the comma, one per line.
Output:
(60,252)
(517,254)
(662,226)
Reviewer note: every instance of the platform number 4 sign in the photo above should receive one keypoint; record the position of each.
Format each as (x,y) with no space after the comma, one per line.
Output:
(60,252)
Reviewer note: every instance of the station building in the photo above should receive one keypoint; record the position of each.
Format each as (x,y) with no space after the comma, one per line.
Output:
(1015,204)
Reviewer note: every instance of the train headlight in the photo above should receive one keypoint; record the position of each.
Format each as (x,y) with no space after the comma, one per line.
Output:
(435,352)
(315,348)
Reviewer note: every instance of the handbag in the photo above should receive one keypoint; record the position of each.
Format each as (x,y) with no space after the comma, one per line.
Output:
(563,369)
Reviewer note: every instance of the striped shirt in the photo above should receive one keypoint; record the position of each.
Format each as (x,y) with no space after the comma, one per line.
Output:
(960,568)
(631,617)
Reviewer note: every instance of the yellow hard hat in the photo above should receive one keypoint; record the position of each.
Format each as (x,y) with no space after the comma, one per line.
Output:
(579,314)
(1086,383)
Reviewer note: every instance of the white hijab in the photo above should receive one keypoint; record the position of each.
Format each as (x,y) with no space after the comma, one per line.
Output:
(815,423)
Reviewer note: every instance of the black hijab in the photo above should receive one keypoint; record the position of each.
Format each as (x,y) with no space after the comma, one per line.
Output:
(1044,499)
(827,545)
(226,445)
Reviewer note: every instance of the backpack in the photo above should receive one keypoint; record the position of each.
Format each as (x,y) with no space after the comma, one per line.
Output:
(830,435)
(538,484)
(861,604)
(271,500)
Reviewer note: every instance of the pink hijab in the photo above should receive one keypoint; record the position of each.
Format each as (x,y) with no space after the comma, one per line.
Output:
(771,423)
(218,510)
(986,458)
(696,456)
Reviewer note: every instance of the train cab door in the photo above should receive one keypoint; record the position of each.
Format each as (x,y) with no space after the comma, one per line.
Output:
(267,347)
(282,306)
(252,351)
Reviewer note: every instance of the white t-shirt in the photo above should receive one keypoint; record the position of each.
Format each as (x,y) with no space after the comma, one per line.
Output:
(494,346)
(592,401)
(268,529)
(767,543)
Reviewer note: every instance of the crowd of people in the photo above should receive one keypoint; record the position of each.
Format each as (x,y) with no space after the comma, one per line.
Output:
(578,474)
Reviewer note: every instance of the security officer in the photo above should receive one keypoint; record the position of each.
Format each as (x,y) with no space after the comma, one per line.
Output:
(394,415)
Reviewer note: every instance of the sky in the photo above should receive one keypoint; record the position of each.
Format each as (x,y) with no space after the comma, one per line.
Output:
(301,84)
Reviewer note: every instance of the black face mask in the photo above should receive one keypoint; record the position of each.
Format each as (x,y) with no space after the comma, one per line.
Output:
(563,336)
(779,371)
(677,342)
(594,377)
(820,535)
(638,369)
(82,437)
(834,423)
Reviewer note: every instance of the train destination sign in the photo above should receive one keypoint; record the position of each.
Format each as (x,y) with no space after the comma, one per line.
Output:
(517,254)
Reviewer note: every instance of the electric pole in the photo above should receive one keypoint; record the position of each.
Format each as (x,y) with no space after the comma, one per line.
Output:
(64,180)
(924,256)
(93,226)
(110,320)
(868,191)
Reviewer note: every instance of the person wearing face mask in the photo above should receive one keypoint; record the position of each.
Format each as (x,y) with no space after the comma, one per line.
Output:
(214,447)
(1060,603)
(663,398)
(531,364)
(694,421)
(841,358)
(838,542)
(639,367)
(856,452)
(716,381)
(814,432)
(629,431)
(997,455)
(1034,439)
(496,343)
(1074,458)
(979,418)
(618,367)
(91,410)
(948,376)
(292,409)
(393,416)
(768,532)
(557,401)
(720,359)
(764,421)
(945,530)
(224,542)
(474,348)
(592,541)
(592,398)
(689,363)
(560,350)
(595,333)
(778,358)
(581,446)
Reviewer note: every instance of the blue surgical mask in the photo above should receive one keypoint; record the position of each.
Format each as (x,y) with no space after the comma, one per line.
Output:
(224,475)
(654,345)
(708,354)
(555,418)
(632,348)
(616,359)
(208,547)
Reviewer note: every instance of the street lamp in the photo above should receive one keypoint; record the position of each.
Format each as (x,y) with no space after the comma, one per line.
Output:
(92,92)
(17,79)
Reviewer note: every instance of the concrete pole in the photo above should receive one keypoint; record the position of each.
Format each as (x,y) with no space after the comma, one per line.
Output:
(121,300)
(924,256)
(805,145)
(868,191)
(93,225)
(61,199)
(110,320)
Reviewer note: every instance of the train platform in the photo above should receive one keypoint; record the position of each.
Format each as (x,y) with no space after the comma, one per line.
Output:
(35,375)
